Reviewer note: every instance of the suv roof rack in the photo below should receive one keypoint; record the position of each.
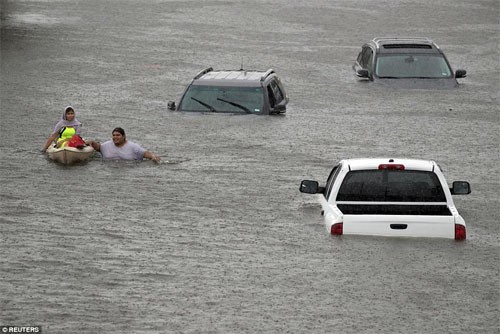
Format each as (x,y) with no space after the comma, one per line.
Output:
(266,74)
(203,72)
(263,75)
(379,40)
(423,39)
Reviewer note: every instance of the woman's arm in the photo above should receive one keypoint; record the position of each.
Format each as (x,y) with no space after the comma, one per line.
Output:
(49,141)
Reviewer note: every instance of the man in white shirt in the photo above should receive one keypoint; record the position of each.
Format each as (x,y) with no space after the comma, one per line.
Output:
(122,149)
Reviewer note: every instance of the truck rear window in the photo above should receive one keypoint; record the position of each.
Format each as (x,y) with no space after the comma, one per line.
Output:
(391,186)
(394,209)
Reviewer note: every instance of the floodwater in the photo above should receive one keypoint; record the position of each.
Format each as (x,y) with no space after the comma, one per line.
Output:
(217,238)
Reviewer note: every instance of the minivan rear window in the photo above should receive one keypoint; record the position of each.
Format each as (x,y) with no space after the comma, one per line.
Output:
(391,186)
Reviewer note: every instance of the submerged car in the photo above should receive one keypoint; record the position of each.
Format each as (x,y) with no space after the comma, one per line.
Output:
(390,197)
(229,91)
(406,62)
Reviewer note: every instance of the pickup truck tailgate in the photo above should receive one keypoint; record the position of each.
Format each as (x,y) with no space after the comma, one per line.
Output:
(400,225)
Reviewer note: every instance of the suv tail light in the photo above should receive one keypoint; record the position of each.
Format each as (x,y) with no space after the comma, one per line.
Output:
(460,233)
(336,229)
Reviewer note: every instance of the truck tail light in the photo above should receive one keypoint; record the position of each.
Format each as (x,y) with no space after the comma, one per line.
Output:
(336,229)
(391,166)
(460,233)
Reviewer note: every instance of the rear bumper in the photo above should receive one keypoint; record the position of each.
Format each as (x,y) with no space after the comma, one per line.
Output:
(400,226)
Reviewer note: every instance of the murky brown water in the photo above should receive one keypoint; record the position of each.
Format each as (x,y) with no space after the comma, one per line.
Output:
(217,238)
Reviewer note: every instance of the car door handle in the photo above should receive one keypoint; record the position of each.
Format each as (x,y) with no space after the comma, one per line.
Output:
(399,226)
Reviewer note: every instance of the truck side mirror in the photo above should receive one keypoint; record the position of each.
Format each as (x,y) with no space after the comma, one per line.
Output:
(309,187)
(460,188)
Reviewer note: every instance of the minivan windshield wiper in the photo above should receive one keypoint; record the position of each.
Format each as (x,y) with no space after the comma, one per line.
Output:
(236,105)
(208,106)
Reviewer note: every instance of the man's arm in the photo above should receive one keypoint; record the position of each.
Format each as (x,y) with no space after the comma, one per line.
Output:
(151,156)
(94,144)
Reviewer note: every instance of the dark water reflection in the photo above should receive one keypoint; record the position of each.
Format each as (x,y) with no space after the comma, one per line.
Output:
(217,238)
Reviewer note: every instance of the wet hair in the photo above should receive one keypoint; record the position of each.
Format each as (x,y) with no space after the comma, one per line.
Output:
(120,130)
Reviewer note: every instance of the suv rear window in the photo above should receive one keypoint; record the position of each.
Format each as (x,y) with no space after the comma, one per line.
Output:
(391,186)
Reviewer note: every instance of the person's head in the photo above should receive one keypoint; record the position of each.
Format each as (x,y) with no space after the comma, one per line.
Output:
(119,137)
(69,113)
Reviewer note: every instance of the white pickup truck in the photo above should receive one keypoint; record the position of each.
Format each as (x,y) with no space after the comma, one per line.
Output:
(390,197)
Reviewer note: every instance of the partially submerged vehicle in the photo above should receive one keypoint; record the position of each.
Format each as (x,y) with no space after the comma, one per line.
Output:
(234,91)
(406,62)
(390,197)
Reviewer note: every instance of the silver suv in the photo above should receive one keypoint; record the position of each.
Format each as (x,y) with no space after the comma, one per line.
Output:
(406,62)
(240,91)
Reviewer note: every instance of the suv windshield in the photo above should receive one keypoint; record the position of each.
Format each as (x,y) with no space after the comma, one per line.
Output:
(412,66)
(223,99)
(391,186)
